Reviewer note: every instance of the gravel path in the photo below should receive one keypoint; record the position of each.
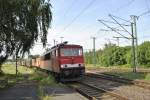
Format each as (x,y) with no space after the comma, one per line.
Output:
(29,90)
(63,93)
(21,91)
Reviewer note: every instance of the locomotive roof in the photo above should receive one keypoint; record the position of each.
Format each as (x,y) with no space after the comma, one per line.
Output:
(64,44)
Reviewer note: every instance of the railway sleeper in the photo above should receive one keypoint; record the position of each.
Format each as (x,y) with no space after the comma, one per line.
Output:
(106,91)
(145,85)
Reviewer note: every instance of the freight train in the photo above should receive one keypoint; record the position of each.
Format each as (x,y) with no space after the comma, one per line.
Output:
(64,61)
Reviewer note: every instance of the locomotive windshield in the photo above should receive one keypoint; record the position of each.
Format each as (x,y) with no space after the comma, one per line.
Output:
(71,51)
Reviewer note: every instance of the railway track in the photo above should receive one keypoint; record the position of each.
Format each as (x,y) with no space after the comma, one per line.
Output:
(95,93)
(105,87)
(145,85)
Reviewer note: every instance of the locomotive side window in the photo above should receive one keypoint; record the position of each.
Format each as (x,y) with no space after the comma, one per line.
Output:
(71,52)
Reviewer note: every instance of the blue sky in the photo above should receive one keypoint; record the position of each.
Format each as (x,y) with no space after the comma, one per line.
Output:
(77,23)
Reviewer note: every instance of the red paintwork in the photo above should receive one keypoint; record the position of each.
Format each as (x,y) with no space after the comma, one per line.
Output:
(54,64)
(71,60)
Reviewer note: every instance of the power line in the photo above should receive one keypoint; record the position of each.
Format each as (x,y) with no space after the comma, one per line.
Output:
(124,6)
(112,29)
(146,2)
(121,18)
(133,37)
(145,13)
(119,24)
(114,22)
(70,7)
(76,17)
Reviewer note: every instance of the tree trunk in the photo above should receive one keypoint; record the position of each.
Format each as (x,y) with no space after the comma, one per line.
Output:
(1,72)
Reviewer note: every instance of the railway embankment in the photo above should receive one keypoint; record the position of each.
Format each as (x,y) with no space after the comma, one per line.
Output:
(142,74)
(104,87)
(34,85)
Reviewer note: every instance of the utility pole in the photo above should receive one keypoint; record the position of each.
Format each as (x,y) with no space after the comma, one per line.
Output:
(134,43)
(61,38)
(54,42)
(94,56)
(133,50)
(16,65)
(133,35)
(117,40)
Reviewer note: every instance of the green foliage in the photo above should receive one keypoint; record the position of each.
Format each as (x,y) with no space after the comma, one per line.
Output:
(9,74)
(22,22)
(110,55)
(133,76)
(43,79)
(144,54)
(113,55)
(42,95)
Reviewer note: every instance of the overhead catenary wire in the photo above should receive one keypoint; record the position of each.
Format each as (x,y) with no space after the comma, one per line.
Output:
(77,16)
(114,23)
(124,6)
(121,19)
(112,29)
(144,13)
(70,7)
(146,2)
(68,10)
(119,24)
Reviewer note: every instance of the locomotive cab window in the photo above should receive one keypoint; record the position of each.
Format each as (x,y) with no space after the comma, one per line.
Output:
(71,51)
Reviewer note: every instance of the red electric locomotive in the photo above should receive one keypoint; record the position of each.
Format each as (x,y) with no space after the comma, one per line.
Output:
(65,61)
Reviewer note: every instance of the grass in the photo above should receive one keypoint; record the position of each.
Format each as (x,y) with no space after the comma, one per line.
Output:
(42,95)
(11,69)
(43,81)
(41,78)
(9,74)
(133,76)
(124,71)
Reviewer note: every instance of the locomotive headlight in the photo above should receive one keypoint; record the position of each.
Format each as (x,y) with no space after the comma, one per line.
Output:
(64,66)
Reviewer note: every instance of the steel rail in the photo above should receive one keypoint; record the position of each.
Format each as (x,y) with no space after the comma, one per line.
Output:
(142,84)
(106,91)
(96,91)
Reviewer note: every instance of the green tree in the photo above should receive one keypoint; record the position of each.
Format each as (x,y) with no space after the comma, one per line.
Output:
(106,57)
(88,57)
(127,55)
(119,56)
(22,22)
(144,54)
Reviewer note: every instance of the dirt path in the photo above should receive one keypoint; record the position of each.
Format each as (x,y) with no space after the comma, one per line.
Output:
(21,91)
(63,93)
